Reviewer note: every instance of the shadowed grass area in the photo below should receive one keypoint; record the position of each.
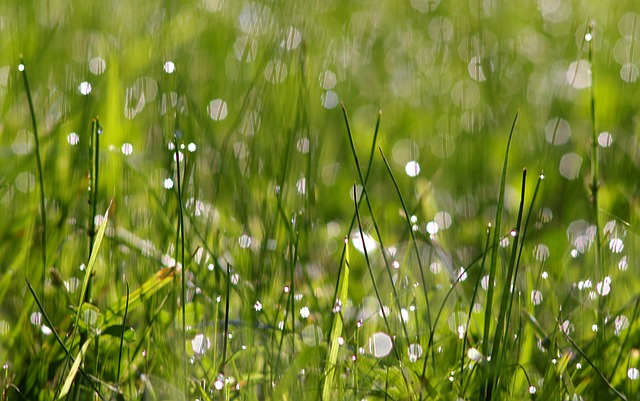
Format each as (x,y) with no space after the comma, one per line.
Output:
(319,200)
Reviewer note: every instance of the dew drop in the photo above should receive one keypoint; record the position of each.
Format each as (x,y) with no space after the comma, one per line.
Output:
(380,344)
(432,228)
(415,352)
(412,168)
(169,67)
(84,88)
(127,149)
(244,241)
(73,139)
(536,297)
(304,312)
(217,109)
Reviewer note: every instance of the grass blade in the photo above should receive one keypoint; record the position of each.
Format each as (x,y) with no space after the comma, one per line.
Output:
(92,260)
(413,237)
(74,370)
(336,325)
(365,195)
(124,325)
(494,252)
(59,340)
(183,269)
(43,212)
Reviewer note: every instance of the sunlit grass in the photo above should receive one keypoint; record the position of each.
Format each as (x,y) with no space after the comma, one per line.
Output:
(319,200)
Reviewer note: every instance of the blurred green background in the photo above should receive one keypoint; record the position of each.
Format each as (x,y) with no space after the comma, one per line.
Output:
(254,91)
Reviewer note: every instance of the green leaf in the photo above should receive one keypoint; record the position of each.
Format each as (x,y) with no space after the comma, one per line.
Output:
(74,370)
(118,330)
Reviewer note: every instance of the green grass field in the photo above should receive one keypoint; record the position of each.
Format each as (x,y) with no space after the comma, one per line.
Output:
(335,200)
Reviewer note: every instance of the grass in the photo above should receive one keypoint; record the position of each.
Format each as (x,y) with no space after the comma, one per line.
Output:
(319,200)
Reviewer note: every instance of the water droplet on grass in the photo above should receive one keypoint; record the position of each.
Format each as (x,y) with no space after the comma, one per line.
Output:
(570,166)
(127,149)
(169,67)
(380,344)
(200,344)
(84,88)
(304,312)
(275,71)
(633,374)
(616,245)
(412,168)
(73,139)
(536,297)
(605,139)
(474,355)
(541,252)
(25,182)
(329,99)
(97,65)
(217,109)
(327,80)
(622,265)
(579,74)
(621,323)
(557,131)
(219,383)
(415,352)
(432,228)
(303,145)
(292,39)
(357,240)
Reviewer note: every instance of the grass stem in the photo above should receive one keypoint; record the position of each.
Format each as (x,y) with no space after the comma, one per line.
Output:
(43,212)
(183,291)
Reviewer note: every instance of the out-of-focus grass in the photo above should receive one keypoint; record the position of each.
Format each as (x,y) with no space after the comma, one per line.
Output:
(253,90)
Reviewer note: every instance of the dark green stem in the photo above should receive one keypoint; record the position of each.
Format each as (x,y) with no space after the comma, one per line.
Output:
(93,191)
(599,266)
(43,213)
(183,268)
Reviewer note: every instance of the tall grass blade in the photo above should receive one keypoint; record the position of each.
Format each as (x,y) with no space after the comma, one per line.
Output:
(93,190)
(59,340)
(595,184)
(594,367)
(74,369)
(367,199)
(494,255)
(43,212)
(413,238)
(124,325)
(385,316)
(502,327)
(336,325)
(150,287)
(183,291)
(92,260)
